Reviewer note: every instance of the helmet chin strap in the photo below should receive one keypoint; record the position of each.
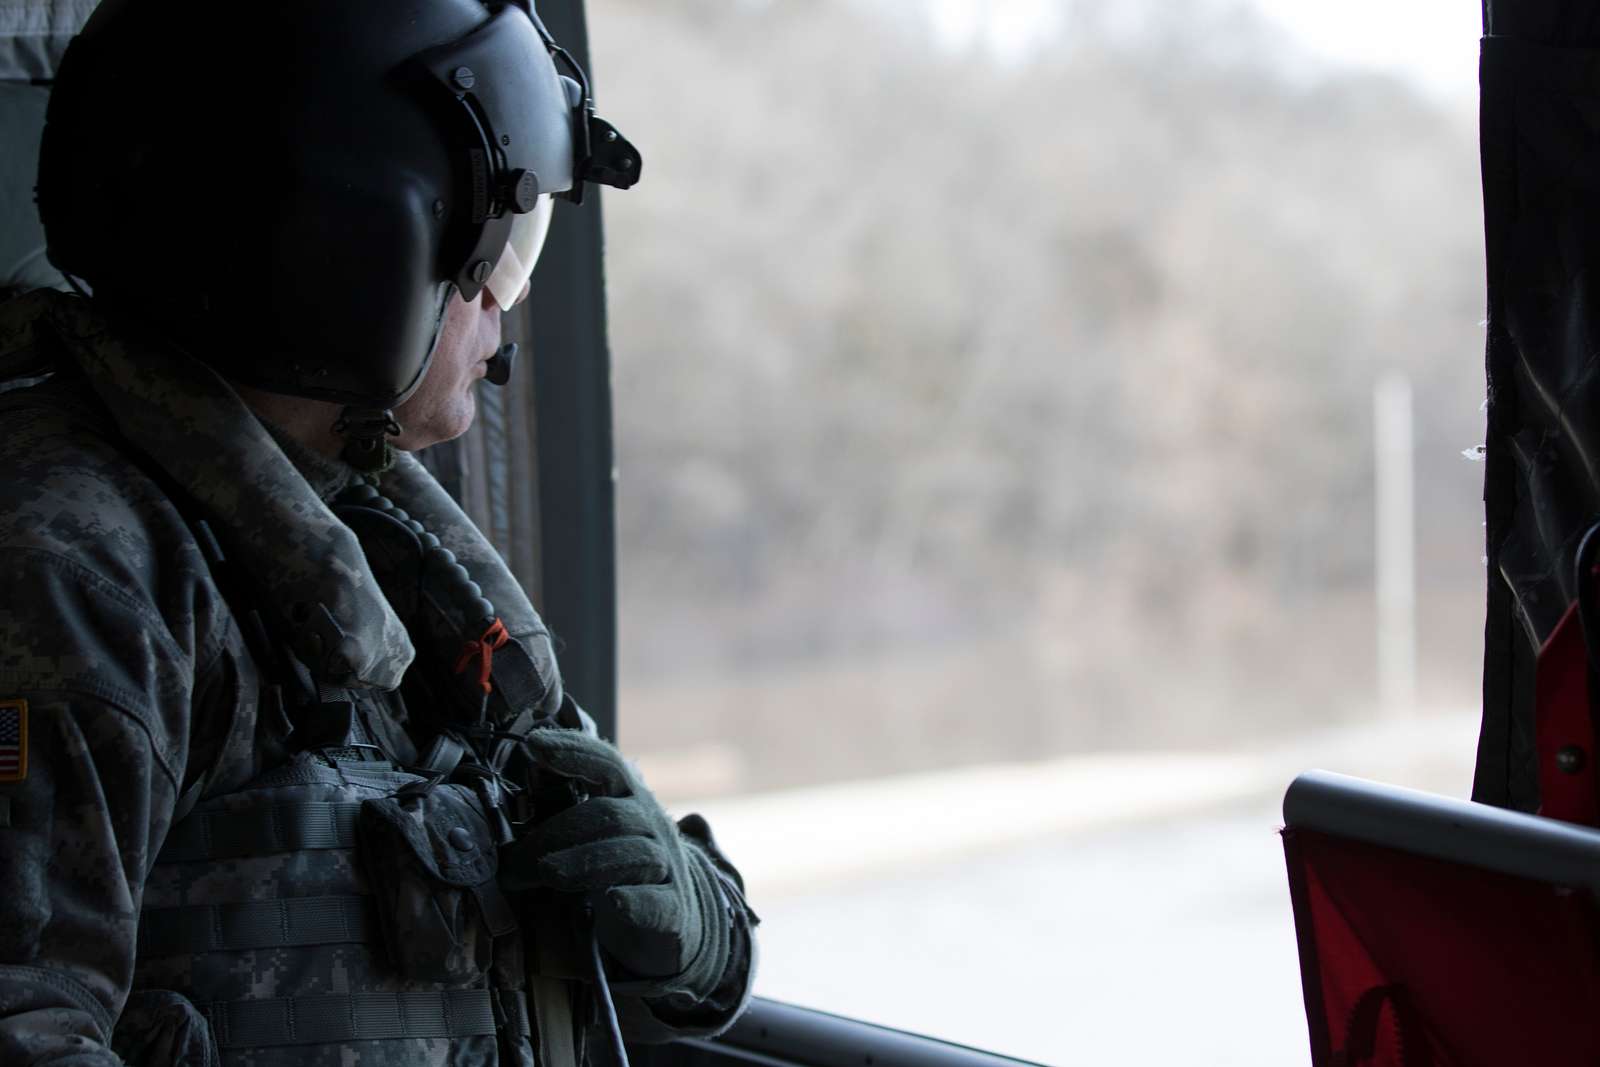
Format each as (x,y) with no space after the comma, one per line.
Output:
(366,433)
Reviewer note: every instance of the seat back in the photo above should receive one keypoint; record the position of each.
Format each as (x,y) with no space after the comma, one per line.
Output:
(1440,933)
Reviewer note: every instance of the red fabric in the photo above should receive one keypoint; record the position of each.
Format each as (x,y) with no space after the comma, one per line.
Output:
(482,650)
(1499,970)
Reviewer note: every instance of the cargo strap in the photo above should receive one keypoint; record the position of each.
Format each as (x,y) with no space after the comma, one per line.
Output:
(360,1017)
(267,924)
(552,1004)
(217,835)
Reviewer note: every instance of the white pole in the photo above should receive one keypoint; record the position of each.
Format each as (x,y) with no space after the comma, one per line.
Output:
(1396,545)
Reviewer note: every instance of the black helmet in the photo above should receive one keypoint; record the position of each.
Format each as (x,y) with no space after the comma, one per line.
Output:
(292,197)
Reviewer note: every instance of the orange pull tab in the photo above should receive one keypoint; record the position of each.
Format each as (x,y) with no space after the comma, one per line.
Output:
(482,650)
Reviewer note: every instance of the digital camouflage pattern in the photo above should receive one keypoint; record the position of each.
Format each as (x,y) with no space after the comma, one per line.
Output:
(451,946)
(143,695)
(200,433)
(160,1026)
(138,686)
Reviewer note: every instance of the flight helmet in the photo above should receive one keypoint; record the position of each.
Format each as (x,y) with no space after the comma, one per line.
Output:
(293,196)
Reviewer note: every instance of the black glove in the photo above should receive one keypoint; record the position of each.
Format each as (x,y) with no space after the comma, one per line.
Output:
(659,907)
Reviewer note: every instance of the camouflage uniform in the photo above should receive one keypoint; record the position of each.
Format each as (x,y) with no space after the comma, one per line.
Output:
(143,700)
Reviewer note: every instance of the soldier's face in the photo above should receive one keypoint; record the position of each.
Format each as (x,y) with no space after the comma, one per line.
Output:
(444,404)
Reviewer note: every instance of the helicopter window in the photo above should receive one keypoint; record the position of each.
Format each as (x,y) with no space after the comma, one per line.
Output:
(1040,432)
(1040,435)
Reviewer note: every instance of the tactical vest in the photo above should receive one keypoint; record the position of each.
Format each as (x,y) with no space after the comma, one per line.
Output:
(343,913)
(338,909)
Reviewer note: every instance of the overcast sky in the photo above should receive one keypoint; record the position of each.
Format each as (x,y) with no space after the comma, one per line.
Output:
(1433,43)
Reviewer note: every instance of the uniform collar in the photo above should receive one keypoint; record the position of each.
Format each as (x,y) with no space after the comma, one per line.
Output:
(327,477)
(307,565)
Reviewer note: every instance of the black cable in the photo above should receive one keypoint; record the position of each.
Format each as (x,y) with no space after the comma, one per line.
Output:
(607,1008)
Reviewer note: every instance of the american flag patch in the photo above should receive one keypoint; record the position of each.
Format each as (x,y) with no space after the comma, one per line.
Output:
(13,740)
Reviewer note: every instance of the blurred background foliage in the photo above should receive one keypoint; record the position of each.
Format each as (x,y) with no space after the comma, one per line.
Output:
(989,405)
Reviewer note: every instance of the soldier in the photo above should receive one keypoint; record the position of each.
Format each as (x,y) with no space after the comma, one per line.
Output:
(287,774)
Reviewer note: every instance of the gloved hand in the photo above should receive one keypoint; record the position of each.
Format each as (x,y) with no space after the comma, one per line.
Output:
(658,908)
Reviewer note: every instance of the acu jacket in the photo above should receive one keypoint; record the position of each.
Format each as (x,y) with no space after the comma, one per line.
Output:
(174,879)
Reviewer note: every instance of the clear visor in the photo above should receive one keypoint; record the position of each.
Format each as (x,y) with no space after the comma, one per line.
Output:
(528,232)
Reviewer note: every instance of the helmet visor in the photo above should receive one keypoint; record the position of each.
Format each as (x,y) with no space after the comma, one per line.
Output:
(515,267)
(516,128)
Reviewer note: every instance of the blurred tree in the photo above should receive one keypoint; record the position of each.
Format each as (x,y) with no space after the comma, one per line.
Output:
(1023,377)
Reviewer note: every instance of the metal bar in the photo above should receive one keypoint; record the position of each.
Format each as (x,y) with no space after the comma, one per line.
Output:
(773,1034)
(1444,828)
(566,325)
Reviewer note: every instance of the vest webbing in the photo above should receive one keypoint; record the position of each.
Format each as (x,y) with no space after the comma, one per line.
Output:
(267,924)
(296,827)
(362,1017)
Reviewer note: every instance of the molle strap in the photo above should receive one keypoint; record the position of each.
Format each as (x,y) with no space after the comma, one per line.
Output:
(445,755)
(269,924)
(517,679)
(213,835)
(332,1020)
(498,915)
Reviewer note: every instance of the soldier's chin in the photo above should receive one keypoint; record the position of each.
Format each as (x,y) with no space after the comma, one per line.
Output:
(441,423)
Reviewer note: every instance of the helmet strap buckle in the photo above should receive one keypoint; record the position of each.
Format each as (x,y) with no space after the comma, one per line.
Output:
(366,433)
